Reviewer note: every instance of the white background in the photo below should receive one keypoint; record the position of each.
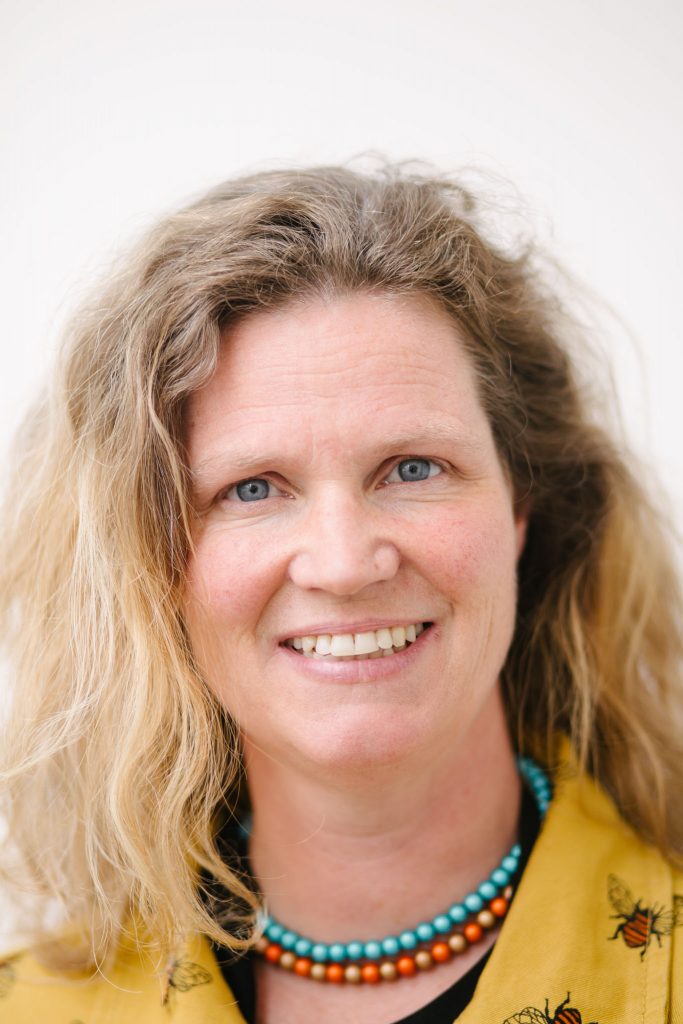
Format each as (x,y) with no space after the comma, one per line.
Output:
(111,113)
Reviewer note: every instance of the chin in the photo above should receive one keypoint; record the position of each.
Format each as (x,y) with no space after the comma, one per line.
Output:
(361,743)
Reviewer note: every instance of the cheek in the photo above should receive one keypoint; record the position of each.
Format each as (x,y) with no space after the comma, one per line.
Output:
(470,549)
(229,581)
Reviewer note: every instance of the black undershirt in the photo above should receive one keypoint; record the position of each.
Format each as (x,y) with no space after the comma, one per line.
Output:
(446,1008)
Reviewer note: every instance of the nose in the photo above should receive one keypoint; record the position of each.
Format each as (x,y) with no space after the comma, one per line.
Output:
(343,547)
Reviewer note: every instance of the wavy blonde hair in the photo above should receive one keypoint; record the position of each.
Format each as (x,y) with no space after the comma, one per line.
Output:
(116,757)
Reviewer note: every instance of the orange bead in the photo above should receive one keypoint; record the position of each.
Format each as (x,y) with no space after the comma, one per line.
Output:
(335,973)
(406,966)
(499,906)
(302,967)
(473,931)
(273,953)
(370,973)
(440,952)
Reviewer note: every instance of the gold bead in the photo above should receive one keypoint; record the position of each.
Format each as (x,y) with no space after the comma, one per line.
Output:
(261,944)
(388,970)
(457,943)
(486,919)
(287,960)
(352,974)
(423,959)
(318,972)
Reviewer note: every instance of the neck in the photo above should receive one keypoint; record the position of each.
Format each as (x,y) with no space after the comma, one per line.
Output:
(340,859)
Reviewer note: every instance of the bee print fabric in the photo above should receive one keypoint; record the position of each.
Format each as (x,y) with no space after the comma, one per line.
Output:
(594,935)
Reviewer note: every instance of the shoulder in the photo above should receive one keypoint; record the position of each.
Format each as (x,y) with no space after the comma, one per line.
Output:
(595,845)
(639,890)
(31,991)
(131,991)
(613,905)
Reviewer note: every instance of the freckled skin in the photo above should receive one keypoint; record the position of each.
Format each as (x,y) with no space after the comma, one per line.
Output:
(313,394)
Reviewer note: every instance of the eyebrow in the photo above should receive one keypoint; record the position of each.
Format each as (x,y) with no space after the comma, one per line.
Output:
(244,459)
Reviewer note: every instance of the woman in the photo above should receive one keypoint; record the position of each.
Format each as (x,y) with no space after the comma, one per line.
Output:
(329,601)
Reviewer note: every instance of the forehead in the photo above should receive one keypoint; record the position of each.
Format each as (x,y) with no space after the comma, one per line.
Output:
(337,367)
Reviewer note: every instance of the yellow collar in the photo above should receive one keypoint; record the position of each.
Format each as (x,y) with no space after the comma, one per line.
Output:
(590,937)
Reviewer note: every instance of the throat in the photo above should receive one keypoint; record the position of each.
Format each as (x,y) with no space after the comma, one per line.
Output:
(333,877)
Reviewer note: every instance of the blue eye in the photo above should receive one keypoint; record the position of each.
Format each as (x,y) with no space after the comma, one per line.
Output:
(254,489)
(409,470)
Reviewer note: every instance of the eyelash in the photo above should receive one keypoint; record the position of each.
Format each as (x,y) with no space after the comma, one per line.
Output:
(225,494)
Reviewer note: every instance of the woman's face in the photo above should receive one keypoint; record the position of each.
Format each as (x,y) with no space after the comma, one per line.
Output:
(347,484)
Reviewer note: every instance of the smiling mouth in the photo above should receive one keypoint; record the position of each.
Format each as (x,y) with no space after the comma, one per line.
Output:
(373,643)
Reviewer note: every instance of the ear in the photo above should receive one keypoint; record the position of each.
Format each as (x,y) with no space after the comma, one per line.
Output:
(522,511)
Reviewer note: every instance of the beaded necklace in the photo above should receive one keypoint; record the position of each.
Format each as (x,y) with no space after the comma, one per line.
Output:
(417,949)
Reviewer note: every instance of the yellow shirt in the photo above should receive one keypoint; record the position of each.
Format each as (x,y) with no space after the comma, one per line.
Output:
(595,929)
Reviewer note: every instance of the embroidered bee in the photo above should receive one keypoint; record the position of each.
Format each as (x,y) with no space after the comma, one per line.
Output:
(564,1014)
(639,922)
(182,975)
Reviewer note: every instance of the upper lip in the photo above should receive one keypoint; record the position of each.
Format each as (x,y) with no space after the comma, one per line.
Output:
(366,626)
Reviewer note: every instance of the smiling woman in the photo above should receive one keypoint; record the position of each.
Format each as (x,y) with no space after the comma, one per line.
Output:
(329,603)
(337,535)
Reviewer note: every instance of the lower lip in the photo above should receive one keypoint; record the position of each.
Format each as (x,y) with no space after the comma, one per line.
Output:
(366,671)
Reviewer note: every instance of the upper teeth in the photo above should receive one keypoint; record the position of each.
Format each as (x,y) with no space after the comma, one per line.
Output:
(349,645)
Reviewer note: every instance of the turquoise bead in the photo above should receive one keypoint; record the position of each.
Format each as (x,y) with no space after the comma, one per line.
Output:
(391,946)
(442,923)
(408,940)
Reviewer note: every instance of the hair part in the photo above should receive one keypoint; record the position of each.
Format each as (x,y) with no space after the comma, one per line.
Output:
(111,793)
